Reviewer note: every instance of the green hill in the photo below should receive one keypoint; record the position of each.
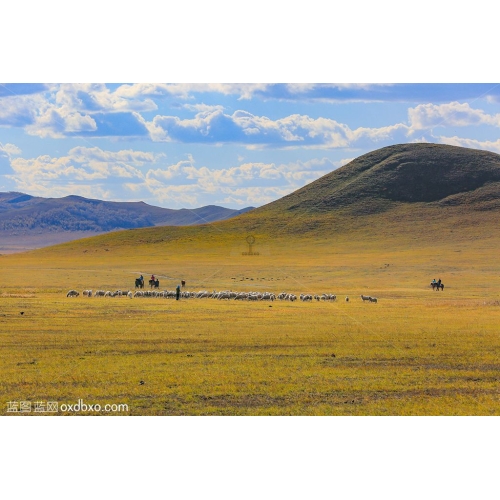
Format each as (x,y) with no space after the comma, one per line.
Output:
(406,173)
(418,194)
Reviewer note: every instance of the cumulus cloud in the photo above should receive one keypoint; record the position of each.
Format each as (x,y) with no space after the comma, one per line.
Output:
(10,149)
(96,97)
(75,110)
(96,110)
(253,196)
(57,123)
(186,90)
(453,114)
(493,146)
(7,152)
(203,108)
(79,167)
(245,184)
(213,126)
(20,110)
(147,176)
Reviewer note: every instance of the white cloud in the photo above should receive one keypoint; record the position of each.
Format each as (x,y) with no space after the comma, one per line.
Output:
(69,109)
(344,161)
(139,158)
(453,114)
(95,172)
(81,166)
(242,127)
(203,108)
(56,123)
(10,149)
(96,97)
(253,196)
(21,110)
(185,90)
(493,146)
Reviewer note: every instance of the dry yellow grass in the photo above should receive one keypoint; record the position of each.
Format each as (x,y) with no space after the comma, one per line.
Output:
(415,352)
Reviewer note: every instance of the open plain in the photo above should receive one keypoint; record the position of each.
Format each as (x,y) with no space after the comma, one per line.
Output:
(414,352)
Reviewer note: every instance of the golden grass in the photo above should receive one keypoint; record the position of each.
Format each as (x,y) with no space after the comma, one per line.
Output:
(415,352)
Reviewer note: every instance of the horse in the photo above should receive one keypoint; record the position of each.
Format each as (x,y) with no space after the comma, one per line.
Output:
(139,283)
(154,283)
(437,286)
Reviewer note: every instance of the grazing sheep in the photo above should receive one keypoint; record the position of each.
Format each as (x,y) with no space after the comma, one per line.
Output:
(87,293)
(328,296)
(365,297)
(130,295)
(267,296)
(72,293)
(99,293)
(373,299)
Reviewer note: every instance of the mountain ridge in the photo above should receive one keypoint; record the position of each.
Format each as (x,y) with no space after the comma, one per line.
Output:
(28,221)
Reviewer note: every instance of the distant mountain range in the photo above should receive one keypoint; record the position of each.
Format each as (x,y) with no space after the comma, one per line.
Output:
(28,222)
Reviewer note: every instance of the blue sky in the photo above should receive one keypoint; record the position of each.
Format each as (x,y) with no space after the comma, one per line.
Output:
(187,145)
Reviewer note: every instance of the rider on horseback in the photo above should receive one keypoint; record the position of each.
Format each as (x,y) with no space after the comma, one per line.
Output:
(153,277)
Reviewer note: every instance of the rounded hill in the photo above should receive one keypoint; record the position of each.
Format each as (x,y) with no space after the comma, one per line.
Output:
(404,173)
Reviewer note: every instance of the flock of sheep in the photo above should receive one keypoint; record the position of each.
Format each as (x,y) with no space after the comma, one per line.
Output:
(226,295)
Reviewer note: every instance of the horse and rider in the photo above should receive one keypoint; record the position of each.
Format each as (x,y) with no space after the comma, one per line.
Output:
(154,282)
(139,282)
(437,284)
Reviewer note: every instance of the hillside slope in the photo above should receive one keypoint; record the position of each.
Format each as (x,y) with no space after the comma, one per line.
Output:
(400,196)
(434,174)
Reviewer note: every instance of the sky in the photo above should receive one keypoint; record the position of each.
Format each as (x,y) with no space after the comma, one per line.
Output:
(235,144)
(188,145)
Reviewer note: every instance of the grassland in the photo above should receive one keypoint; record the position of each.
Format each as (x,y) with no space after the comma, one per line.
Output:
(415,352)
